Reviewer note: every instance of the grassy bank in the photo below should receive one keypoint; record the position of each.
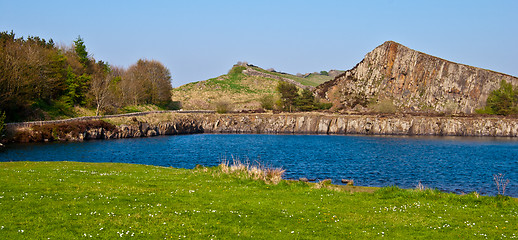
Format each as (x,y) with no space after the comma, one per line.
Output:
(66,200)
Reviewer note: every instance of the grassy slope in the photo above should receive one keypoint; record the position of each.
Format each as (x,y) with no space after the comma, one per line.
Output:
(239,89)
(242,91)
(70,200)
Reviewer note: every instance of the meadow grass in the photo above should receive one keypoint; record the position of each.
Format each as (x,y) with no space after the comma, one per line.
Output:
(69,200)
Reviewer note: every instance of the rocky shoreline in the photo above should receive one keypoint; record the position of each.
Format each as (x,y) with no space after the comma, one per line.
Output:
(173,123)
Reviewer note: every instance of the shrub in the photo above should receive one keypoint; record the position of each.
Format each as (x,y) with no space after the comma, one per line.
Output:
(383,106)
(223,107)
(236,70)
(503,101)
(324,106)
(267,102)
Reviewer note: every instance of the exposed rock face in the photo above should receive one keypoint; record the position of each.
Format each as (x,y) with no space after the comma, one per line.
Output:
(360,124)
(413,81)
(314,123)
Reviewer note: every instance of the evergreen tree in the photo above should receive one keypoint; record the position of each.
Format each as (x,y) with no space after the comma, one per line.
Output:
(80,48)
(289,94)
(306,101)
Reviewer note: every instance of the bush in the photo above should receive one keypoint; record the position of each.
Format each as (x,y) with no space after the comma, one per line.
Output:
(267,102)
(325,106)
(503,101)
(383,106)
(223,107)
(236,70)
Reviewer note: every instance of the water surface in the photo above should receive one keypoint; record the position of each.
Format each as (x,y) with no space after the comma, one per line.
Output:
(452,164)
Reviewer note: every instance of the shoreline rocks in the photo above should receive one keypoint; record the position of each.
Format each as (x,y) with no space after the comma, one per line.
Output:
(267,123)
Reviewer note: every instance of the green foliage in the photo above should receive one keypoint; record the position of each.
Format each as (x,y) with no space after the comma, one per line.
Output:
(289,94)
(110,200)
(503,101)
(325,73)
(236,70)
(36,74)
(324,106)
(267,102)
(77,87)
(80,48)
(291,100)
(306,101)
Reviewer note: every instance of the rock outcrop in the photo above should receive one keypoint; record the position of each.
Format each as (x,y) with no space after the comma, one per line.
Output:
(413,82)
(360,124)
(312,123)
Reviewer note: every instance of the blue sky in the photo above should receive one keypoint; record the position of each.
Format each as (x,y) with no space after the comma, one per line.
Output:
(198,40)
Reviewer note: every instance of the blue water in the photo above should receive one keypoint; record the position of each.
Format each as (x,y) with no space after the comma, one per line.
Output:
(459,165)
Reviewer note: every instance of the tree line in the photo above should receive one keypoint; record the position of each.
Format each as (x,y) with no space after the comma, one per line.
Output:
(292,99)
(40,80)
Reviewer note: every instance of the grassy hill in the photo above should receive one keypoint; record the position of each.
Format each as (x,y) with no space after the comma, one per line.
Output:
(67,200)
(238,89)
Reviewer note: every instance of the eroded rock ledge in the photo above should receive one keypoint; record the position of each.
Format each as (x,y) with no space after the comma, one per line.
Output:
(307,123)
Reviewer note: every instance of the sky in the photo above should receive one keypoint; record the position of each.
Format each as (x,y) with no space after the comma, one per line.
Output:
(197,40)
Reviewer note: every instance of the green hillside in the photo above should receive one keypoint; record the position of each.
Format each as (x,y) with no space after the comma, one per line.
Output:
(239,90)
(235,88)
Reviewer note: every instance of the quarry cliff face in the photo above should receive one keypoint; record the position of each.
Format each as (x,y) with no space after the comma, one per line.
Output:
(316,123)
(413,82)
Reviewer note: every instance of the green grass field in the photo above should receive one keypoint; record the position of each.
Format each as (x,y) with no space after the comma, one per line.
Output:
(68,200)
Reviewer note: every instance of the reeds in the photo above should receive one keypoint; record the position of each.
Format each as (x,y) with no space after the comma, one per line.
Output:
(501,183)
(255,171)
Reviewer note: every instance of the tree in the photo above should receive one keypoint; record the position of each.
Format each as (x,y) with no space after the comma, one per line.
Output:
(32,74)
(324,73)
(289,93)
(503,101)
(100,85)
(80,48)
(147,82)
(306,101)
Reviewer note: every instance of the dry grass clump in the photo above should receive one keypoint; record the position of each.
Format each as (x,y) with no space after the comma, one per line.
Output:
(249,171)
(420,187)
(326,183)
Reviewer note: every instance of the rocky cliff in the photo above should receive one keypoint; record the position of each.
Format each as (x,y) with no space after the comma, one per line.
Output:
(413,82)
(360,124)
(314,123)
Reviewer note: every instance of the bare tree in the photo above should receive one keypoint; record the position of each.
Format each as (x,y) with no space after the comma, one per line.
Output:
(147,82)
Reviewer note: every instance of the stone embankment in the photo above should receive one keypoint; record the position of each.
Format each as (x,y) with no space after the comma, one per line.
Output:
(360,124)
(173,123)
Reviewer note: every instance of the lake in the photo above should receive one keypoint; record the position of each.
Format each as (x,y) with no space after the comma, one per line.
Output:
(452,164)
